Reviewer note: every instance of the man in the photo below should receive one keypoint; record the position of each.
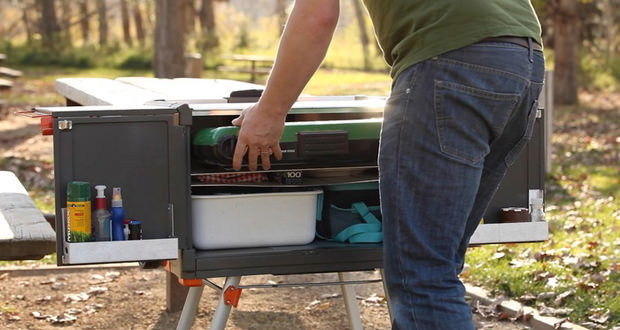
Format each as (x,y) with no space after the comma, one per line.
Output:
(466,78)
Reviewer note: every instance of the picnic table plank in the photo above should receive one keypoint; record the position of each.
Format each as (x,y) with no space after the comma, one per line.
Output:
(189,88)
(101,91)
(11,73)
(5,84)
(24,232)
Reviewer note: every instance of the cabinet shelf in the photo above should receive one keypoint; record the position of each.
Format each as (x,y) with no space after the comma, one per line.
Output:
(120,251)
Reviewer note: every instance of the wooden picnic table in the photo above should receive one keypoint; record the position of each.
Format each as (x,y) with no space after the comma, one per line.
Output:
(2,57)
(24,232)
(11,73)
(254,69)
(140,90)
(5,84)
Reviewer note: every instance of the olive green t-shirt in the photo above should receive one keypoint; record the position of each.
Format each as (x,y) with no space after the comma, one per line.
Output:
(410,31)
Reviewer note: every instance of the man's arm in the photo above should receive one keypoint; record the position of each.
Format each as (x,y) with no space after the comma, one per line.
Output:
(303,45)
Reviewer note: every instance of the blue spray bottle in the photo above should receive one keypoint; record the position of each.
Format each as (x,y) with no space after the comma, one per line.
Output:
(118,215)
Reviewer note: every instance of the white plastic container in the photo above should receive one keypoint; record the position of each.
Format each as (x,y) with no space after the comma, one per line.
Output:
(254,220)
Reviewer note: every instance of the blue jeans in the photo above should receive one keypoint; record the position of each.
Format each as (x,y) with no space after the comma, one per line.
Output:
(452,126)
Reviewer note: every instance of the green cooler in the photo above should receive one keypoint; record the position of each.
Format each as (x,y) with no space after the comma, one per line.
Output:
(304,144)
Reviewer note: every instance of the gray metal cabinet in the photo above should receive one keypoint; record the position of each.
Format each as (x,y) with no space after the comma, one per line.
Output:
(146,151)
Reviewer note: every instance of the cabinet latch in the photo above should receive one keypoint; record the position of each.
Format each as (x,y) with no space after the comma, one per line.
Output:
(65,125)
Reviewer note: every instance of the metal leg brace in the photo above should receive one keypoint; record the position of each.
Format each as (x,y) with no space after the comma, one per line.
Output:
(222,311)
(190,308)
(350,302)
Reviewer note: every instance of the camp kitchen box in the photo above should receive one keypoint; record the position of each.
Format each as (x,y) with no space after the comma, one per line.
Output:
(157,152)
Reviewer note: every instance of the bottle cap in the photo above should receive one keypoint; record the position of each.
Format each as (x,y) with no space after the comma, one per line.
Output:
(100,201)
(100,191)
(117,199)
(78,191)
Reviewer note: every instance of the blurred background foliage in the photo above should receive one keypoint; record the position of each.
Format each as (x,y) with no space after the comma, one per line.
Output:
(121,34)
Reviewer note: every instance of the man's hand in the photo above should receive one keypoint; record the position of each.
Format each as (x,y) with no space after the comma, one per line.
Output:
(259,136)
(304,43)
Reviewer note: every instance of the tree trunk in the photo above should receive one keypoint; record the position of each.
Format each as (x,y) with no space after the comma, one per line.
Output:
(190,17)
(169,61)
(361,24)
(103,22)
(567,31)
(125,22)
(281,14)
(66,21)
(84,21)
(50,29)
(609,28)
(149,13)
(137,18)
(27,25)
(207,23)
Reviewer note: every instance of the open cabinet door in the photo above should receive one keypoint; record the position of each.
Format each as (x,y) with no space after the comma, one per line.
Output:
(142,151)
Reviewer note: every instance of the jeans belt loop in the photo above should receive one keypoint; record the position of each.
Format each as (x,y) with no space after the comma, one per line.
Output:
(531,49)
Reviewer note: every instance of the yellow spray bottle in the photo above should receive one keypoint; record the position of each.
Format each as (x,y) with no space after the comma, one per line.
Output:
(79,211)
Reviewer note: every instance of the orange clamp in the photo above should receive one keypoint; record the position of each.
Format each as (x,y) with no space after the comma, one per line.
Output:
(232,295)
(190,281)
(47,125)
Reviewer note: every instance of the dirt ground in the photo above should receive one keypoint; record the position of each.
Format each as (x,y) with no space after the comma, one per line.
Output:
(135,299)
(132,298)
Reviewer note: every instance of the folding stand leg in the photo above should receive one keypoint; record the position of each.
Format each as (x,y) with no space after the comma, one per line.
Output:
(222,311)
(190,308)
(387,296)
(350,302)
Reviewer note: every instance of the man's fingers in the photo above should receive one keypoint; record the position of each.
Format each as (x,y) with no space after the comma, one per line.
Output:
(277,152)
(253,158)
(238,156)
(237,121)
(264,157)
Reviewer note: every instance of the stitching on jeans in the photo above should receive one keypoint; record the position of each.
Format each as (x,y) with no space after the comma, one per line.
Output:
(499,44)
(476,91)
(511,156)
(398,198)
(409,83)
(480,68)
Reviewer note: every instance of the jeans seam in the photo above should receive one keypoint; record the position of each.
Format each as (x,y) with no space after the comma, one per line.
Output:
(409,84)
(398,198)
(481,68)
(525,138)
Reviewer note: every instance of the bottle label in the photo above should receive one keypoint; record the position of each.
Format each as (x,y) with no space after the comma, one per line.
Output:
(79,225)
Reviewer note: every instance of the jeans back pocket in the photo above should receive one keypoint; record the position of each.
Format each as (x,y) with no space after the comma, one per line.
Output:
(468,119)
(527,135)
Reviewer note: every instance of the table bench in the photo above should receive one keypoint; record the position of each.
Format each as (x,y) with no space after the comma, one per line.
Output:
(5,84)
(11,73)
(254,69)
(24,232)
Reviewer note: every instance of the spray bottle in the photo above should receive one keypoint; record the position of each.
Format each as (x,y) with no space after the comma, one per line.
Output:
(118,215)
(102,215)
(79,212)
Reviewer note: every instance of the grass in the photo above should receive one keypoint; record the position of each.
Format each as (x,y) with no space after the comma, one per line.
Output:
(579,266)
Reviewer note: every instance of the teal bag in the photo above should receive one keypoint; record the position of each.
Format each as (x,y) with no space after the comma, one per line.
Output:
(350,213)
